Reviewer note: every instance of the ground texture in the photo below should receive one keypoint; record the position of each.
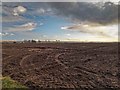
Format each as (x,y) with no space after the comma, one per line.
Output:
(62,65)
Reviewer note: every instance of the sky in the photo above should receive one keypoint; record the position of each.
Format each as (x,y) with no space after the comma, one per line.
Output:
(65,21)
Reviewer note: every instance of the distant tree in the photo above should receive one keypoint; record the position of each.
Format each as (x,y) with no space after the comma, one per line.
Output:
(39,41)
(29,41)
(14,42)
(25,41)
(33,41)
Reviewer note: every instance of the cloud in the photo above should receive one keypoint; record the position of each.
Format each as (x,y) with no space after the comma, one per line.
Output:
(13,14)
(99,12)
(89,17)
(6,34)
(25,27)
(13,19)
(102,13)
(19,10)
(41,24)
(13,10)
(67,34)
(103,31)
(40,11)
(16,13)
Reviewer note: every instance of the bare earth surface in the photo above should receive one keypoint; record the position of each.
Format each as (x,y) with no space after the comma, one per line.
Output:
(62,65)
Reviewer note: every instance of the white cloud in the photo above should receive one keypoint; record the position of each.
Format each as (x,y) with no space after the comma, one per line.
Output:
(97,30)
(25,27)
(19,10)
(6,34)
(41,24)
(93,32)
(65,27)
(12,34)
(68,34)
(40,11)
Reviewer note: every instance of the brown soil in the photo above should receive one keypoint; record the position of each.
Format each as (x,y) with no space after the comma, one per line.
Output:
(62,65)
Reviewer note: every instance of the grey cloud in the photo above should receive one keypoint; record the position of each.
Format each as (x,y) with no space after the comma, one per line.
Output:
(103,13)
(99,12)
(16,10)
(13,19)
(12,14)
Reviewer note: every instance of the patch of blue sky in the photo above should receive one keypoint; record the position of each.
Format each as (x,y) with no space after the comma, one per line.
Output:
(52,25)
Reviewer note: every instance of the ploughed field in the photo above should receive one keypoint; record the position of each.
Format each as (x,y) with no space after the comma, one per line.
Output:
(62,65)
